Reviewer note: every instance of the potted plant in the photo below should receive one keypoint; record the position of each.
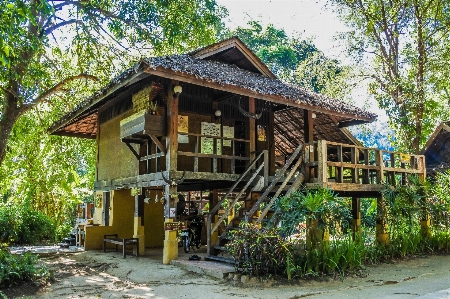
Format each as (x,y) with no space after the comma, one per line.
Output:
(152,108)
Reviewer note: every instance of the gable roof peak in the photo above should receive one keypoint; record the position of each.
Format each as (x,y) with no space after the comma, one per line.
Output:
(233,51)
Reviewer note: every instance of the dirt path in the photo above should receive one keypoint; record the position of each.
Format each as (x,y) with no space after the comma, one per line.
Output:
(107,275)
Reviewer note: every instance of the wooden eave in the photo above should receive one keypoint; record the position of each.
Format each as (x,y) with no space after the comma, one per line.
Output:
(87,110)
(234,42)
(183,77)
(442,126)
(346,132)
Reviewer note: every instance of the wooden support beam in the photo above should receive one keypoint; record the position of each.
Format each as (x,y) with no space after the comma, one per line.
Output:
(143,151)
(135,153)
(366,171)
(356,213)
(158,143)
(308,129)
(380,163)
(271,141)
(340,169)
(322,173)
(308,126)
(171,148)
(354,159)
(343,124)
(170,251)
(252,128)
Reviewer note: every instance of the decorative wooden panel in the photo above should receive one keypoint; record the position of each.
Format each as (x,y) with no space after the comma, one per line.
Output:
(207,144)
(228,132)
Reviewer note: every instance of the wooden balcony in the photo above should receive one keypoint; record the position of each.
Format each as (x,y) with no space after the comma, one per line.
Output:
(350,168)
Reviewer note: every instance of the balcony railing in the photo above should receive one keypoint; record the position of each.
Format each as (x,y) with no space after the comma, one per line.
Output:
(331,164)
(216,152)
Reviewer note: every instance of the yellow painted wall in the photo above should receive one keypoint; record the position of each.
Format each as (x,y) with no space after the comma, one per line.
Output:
(115,159)
(97,217)
(121,220)
(154,221)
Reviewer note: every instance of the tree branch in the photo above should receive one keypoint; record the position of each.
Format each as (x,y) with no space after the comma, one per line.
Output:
(58,87)
(59,25)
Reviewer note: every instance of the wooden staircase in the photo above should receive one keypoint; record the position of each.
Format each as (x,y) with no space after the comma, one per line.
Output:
(287,180)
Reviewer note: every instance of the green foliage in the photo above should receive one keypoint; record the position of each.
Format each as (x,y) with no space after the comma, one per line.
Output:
(405,205)
(15,269)
(259,251)
(402,44)
(63,230)
(295,60)
(19,224)
(304,205)
(345,252)
(57,52)
(51,173)
(339,256)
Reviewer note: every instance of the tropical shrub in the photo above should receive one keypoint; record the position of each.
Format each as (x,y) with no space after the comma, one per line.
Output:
(259,251)
(21,225)
(262,251)
(319,204)
(63,231)
(15,269)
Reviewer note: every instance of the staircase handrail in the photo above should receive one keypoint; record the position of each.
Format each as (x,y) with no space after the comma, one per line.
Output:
(217,206)
(275,180)
(233,203)
(280,189)
(241,177)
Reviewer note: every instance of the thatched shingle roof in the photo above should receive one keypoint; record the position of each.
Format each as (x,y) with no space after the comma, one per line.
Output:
(222,75)
(225,74)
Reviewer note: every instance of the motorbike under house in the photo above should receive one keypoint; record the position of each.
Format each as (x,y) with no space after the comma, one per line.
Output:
(191,236)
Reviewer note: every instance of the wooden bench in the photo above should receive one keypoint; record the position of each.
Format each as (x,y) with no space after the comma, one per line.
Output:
(114,239)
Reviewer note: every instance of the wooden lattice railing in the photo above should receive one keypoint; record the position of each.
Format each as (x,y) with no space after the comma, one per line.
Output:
(331,163)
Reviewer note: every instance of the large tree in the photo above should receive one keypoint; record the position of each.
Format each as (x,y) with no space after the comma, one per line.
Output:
(406,42)
(96,36)
(295,60)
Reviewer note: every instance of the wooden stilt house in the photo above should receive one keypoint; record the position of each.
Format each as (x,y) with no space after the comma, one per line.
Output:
(217,121)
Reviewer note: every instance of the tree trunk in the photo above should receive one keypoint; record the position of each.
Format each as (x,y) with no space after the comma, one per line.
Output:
(419,79)
(9,116)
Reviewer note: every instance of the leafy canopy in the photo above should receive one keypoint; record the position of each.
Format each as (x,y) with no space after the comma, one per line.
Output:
(296,60)
(53,54)
(403,44)
(95,37)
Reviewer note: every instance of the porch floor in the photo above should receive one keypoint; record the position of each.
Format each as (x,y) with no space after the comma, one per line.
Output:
(215,269)
(210,268)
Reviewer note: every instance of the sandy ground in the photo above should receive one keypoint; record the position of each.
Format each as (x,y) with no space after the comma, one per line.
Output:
(96,274)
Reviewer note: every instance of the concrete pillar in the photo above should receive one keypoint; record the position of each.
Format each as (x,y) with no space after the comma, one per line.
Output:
(138,230)
(314,235)
(356,213)
(425,225)
(381,225)
(231,215)
(170,239)
(170,251)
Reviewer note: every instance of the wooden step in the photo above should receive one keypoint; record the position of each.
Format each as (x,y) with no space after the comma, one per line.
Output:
(220,259)
(225,237)
(232,228)
(221,248)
